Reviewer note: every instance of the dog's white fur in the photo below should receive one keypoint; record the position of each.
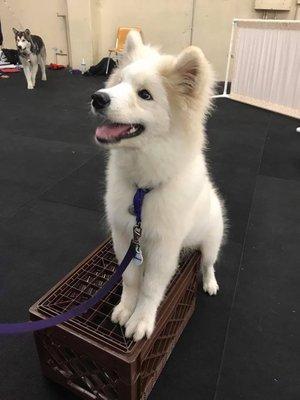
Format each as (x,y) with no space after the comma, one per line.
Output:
(183,209)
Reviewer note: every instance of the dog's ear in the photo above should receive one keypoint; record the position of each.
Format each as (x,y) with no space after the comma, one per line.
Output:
(189,79)
(27,33)
(133,41)
(133,48)
(188,69)
(15,31)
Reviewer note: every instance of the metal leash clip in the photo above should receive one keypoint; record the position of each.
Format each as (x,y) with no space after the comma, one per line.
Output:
(137,233)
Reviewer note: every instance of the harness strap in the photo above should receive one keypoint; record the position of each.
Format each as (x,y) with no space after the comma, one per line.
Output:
(31,326)
(138,203)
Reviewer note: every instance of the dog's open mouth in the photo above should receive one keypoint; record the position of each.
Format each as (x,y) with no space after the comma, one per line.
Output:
(114,132)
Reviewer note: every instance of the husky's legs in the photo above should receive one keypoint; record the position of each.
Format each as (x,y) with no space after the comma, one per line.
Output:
(34,70)
(42,62)
(27,73)
(160,264)
(210,247)
(131,282)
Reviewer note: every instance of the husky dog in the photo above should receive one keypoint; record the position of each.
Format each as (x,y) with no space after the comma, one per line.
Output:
(151,117)
(32,53)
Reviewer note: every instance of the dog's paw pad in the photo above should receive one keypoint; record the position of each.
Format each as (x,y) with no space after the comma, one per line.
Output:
(211,286)
(121,314)
(139,326)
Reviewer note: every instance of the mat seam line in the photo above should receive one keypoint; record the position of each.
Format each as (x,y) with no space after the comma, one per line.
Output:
(240,263)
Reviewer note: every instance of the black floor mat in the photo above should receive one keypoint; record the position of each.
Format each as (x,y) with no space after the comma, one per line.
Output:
(260,359)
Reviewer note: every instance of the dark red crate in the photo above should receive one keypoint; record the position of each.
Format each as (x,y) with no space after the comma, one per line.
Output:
(89,354)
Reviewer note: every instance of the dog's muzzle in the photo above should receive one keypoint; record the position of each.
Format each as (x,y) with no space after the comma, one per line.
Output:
(100,100)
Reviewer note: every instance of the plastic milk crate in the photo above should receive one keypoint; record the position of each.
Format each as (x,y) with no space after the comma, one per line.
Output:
(90,355)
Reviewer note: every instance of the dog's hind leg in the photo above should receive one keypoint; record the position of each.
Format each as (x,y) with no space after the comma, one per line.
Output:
(42,62)
(34,69)
(43,68)
(131,282)
(210,247)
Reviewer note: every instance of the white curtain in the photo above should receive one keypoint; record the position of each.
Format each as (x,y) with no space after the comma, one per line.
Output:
(266,65)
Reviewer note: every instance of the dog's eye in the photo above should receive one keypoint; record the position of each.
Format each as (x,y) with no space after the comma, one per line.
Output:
(145,95)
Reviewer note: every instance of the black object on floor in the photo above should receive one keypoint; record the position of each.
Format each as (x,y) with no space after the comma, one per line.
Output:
(100,68)
(240,344)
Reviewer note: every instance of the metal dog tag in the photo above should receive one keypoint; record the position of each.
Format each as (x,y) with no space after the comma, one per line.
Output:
(138,258)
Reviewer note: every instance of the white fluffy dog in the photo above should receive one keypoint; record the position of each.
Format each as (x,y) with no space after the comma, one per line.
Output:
(151,117)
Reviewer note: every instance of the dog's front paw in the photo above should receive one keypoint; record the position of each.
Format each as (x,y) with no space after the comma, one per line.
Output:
(140,325)
(121,313)
(44,78)
(30,86)
(210,286)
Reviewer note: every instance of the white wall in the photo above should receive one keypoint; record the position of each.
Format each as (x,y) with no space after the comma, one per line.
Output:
(96,22)
(80,32)
(166,23)
(40,16)
(212,26)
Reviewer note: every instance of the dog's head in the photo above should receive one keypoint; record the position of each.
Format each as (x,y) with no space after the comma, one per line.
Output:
(23,39)
(151,96)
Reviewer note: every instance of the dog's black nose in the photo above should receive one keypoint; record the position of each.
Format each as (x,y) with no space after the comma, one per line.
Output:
(100,100)
(20,47)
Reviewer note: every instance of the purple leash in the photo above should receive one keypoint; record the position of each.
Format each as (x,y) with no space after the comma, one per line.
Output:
(31,326)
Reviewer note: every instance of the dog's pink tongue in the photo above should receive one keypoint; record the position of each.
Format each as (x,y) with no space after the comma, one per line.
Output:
(107,131)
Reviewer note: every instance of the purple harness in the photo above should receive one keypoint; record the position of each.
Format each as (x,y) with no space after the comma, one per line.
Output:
(133,253)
